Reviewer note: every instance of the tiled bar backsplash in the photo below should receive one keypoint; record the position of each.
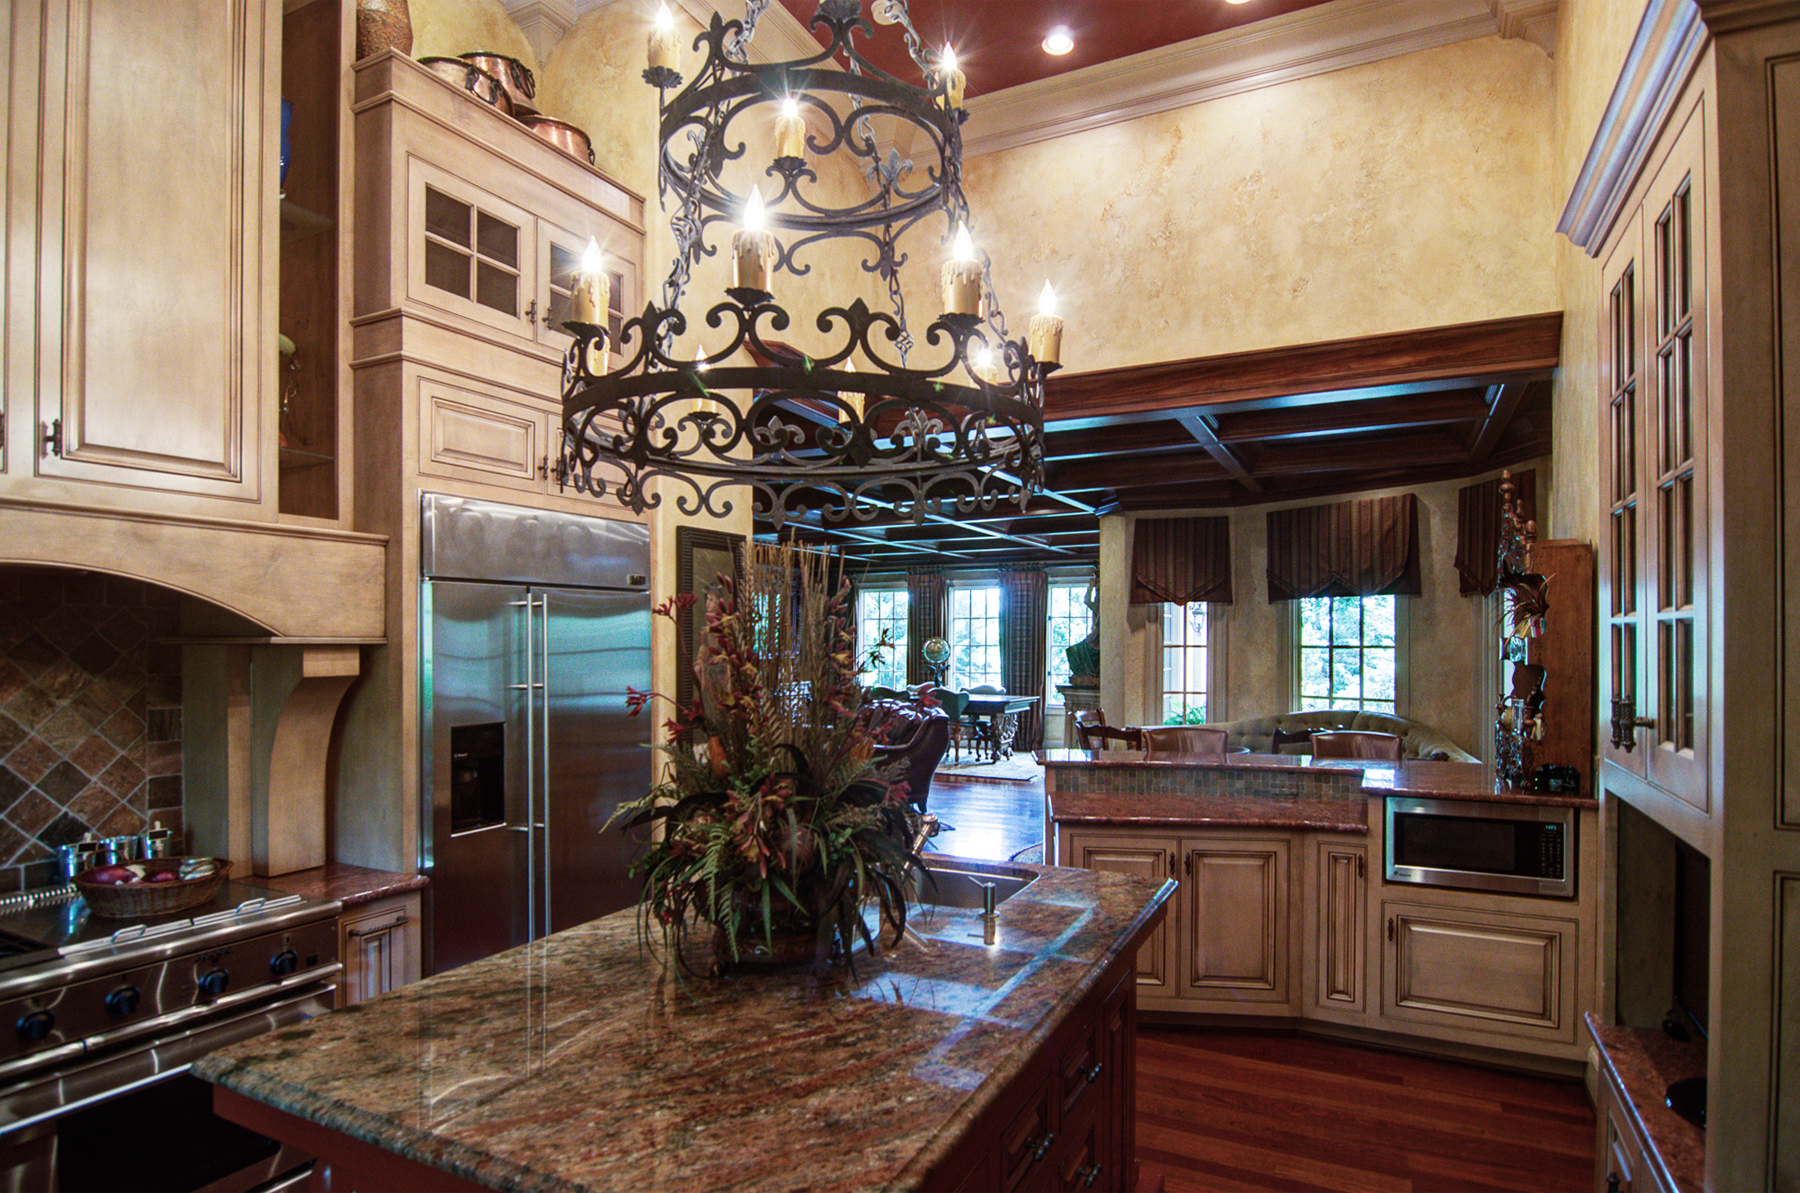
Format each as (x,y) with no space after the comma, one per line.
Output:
(1118,778)
(90,714)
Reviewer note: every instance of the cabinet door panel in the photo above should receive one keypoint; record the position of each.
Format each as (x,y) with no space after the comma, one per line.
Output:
(1235,917)
(156,216)
(1145,857)
(1483,971)
(1341,919)
(468,252)
(478,437)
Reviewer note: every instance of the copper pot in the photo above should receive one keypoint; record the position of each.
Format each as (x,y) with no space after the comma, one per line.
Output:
(471,78)
(514,75)
(563,135)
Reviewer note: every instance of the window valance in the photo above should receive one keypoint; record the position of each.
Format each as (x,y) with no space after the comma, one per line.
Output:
(1478,529)
(1179,561)
(1351,548)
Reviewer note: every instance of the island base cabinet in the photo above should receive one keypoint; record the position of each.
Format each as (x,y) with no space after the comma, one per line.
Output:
(379,944)
(1235,925)
(1144,857)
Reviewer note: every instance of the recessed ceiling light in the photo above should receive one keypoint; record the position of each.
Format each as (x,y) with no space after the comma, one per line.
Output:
(1237,1)
(1059,41)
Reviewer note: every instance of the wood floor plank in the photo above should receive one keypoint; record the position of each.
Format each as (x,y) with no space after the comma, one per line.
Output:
(1225,1109)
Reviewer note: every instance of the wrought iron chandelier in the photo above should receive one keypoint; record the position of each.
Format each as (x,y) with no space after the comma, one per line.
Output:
(852,433)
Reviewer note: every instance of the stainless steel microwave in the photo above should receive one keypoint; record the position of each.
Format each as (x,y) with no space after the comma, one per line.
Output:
(1515,849)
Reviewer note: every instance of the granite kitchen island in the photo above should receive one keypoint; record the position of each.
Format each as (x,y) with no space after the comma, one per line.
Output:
(576,1062)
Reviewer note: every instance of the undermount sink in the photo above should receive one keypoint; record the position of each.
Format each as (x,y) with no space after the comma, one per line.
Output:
(962,886)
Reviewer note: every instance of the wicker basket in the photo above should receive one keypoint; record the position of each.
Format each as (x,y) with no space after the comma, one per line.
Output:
(138,900)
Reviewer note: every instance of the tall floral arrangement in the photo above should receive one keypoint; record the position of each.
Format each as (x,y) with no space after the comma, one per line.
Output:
(774,829)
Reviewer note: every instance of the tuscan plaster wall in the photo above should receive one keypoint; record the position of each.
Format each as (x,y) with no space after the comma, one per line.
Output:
(1593,37)
(450,27)
(1413,192)
(1447,633)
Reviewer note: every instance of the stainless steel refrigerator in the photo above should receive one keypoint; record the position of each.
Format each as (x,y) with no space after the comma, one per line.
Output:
(533,625)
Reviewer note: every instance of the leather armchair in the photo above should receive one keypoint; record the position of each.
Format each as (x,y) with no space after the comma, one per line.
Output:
(913,741)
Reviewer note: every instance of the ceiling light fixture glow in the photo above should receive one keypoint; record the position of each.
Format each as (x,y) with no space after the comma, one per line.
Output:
(1059,41)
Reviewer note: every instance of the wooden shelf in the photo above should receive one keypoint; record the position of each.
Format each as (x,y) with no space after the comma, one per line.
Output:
(294,457)
(298,222)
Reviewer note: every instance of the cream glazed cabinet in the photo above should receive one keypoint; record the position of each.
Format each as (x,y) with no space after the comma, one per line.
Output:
(469,233)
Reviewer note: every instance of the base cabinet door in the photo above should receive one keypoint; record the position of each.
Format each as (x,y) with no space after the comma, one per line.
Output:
(1144,857)
(379,943)
(1339,929)
(1235,923)
(1480,973)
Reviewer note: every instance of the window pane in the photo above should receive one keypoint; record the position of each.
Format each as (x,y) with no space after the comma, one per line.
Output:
(1348,655)
(446,269)
(975,636)
(879,611)
(1185,664)
(1346,676)
(496,288)
(446,217)
(497,240)
(1379,620)
(1346,621)
(1378,675)
(1315,672)
(1315,622)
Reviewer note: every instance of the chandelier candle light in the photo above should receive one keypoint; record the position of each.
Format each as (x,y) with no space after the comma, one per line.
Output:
(752,248)
(1044,335)
(816,439)
(790,131)
(963,278)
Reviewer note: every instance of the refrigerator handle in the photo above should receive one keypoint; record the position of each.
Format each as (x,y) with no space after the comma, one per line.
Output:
(529,687)
(544,730)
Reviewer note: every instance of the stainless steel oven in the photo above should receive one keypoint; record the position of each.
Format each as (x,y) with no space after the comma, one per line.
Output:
(100,1023)
(1518,849)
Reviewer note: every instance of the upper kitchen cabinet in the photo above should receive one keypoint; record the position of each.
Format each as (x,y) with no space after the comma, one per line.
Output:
(472,226)
(140,298)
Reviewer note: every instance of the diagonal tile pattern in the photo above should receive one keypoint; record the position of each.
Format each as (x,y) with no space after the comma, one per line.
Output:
(90,714)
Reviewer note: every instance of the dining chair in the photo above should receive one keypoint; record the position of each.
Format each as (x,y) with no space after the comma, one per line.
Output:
(1165,740)
(955,706)
(1106,737)
(1348,743)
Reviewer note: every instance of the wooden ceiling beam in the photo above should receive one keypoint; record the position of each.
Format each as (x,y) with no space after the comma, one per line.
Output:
(1383,415)
(1503,402)
(1524,344)
(1195,464)
(1425,450)
(1197,426)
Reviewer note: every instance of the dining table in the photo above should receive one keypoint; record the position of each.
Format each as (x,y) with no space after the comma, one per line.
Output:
(994,720)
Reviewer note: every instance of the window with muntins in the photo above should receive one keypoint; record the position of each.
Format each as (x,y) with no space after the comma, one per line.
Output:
(975,636)
(1348,653)
(879,611)
(1070,621)
(1185,650)
(470,253)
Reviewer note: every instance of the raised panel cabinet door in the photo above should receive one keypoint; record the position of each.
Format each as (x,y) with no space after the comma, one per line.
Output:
(479,437)
(379,946)
(470,253)
(1143,857)
(1342,921)
(155,338)
(1235,920)
(1489,972)
(1622,677)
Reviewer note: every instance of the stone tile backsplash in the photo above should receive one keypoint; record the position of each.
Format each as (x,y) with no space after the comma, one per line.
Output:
(90,714)
(1214,779)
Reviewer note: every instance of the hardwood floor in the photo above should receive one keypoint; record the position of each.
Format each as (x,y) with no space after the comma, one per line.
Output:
(1221,1110)
(993,821)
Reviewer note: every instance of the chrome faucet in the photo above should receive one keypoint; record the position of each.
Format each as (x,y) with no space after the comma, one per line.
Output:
(929,827)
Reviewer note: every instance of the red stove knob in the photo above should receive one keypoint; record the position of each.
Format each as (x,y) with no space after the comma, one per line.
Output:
(214,982)
(124,1001)
(284,963)
(36,1026)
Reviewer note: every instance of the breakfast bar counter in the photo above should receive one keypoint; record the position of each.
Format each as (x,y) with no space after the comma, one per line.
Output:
(578,1062)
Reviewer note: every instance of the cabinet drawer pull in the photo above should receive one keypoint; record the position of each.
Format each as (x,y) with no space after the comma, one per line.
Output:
(1390,927)
(1041,1147)
(1091,1074)
(400,922)
(1089,1175)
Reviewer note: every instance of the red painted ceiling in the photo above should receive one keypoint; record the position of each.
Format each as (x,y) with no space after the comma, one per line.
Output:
(999,42)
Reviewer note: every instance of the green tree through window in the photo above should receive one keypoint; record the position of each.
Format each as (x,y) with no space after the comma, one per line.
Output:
(1185,648)
(1348,655)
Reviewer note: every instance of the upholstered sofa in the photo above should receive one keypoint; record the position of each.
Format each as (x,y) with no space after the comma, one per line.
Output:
(1417,740)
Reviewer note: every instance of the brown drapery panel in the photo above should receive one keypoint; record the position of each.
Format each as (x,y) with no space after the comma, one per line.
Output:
(1478,529)
(1181,560)
(1352,548)
(925,619)
(1024,629)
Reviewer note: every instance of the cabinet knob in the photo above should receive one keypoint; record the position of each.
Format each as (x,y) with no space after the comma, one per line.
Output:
(1626,723)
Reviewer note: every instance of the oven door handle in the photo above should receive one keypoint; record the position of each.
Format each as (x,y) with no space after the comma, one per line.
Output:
(159,1058)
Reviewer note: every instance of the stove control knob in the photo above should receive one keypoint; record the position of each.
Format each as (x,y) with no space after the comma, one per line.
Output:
(124,1001)
(214,981)
(284,963)
(37,1026)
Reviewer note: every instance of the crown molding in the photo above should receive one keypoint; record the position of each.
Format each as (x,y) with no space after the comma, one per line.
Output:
(1732,16)
(1670,39)
(1297,45)
(543,22)
(1531,20)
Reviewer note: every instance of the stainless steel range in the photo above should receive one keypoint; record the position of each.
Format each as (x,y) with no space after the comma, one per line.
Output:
(100,1020)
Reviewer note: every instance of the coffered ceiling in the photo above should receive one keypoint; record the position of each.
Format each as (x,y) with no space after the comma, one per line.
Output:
(999,43)
(1252,428)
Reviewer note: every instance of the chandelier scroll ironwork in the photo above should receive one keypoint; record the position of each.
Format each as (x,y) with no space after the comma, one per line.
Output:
(882,423)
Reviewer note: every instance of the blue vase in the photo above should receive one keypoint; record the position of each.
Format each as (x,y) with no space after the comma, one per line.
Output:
(287,155)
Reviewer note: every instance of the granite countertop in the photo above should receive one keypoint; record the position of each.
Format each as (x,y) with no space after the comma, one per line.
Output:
(1414,777)
(352,886)
(1209,811)
(575,1062)
(1644,1062)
